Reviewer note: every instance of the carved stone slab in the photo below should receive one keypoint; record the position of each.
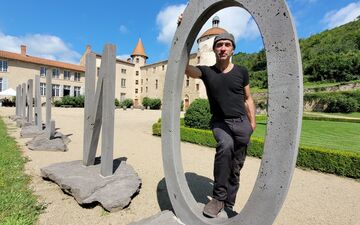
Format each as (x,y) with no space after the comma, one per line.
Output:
(42,142)
(87,185)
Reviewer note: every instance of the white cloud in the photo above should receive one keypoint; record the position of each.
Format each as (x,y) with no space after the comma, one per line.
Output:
(44,46)
(166,21)
(234,19)
(343,15)
(123,29)
(123,57)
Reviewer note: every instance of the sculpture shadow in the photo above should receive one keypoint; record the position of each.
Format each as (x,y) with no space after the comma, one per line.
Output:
(200,187)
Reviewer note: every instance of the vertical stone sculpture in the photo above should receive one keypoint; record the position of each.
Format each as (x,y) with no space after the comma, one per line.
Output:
(38,113)
(48,98)
(81,178)
(102,112)
(30,101)
(89,107)
(18,96)
(23,101)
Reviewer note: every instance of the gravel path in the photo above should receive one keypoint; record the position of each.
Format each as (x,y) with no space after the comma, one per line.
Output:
(314,198)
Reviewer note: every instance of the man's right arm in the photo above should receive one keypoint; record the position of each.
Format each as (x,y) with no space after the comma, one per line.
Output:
(193,71)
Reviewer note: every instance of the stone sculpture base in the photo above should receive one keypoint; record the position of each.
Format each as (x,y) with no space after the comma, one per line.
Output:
(30,131)
(43,143)
(20,122)
(162,218)
(87,185)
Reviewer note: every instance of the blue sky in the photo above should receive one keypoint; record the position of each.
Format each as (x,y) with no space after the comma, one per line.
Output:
(60,30)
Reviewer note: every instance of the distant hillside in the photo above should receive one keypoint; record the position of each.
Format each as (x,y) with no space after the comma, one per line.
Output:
(330,56)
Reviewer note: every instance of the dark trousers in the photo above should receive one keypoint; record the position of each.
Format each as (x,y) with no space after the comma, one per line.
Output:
(232,136)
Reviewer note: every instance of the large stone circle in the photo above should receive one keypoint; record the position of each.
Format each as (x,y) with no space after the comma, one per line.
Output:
(284,111)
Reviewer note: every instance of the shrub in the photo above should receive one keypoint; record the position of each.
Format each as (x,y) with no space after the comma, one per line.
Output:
(198,114)
(341,104)
(338,162)
(117,102)
(155,103)
(57,103)
(126,103)
(344,101)
(146,102)
(7,102)
(74,101)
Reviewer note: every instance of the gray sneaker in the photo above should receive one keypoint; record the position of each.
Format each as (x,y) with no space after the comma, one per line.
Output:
(213,208)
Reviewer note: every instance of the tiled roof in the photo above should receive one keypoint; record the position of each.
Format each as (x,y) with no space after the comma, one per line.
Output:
(139,49)
(213,31)
(41,61)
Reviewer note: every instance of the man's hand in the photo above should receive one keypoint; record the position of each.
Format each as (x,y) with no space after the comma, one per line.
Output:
(179,19)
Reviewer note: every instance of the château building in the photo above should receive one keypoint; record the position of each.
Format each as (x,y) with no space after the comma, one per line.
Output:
(135,79)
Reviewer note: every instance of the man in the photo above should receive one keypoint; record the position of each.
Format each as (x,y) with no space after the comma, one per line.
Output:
(232,123)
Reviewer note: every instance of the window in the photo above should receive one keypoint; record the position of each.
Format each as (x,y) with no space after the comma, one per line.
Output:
(97,71)
(198,59)
(136,90)
(122,97)
(136,82)
(55,73)
(3,66)
(43,71)
(141,89)
(197,87)
(55,90)
(77,91)
(1,84)
(154,69)
(66,90)
(142,81)
(146,89)
(163,67)
(147,80)
(123,82)
(66,75)
(77,76)
(42,89)
(137,60)
(156,84)
(137,73)
(187,82)
(123,71)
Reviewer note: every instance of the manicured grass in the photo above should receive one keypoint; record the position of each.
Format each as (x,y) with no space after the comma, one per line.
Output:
(17,203)
(326,84)
(325,134)
(351,115)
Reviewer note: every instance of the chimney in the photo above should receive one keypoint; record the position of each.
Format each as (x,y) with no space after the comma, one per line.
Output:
(23,50)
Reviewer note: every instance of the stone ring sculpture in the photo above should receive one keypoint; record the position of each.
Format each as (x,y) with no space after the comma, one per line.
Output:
(285,104)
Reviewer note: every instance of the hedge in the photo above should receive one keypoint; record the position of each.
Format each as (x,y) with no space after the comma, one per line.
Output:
(325,160)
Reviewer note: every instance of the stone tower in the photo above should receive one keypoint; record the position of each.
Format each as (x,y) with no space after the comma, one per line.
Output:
(139,59)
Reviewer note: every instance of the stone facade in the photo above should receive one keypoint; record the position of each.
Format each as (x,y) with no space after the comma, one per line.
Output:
(67,79)
(135,79)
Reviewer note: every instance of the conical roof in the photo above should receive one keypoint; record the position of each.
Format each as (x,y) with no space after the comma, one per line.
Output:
(139,49)
(213,31)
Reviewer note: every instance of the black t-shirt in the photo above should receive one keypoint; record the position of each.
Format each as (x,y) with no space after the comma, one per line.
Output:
(225,91)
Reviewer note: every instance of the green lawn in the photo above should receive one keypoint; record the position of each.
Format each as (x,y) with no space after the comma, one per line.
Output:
(327,134)
(17,203)
(321,114)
